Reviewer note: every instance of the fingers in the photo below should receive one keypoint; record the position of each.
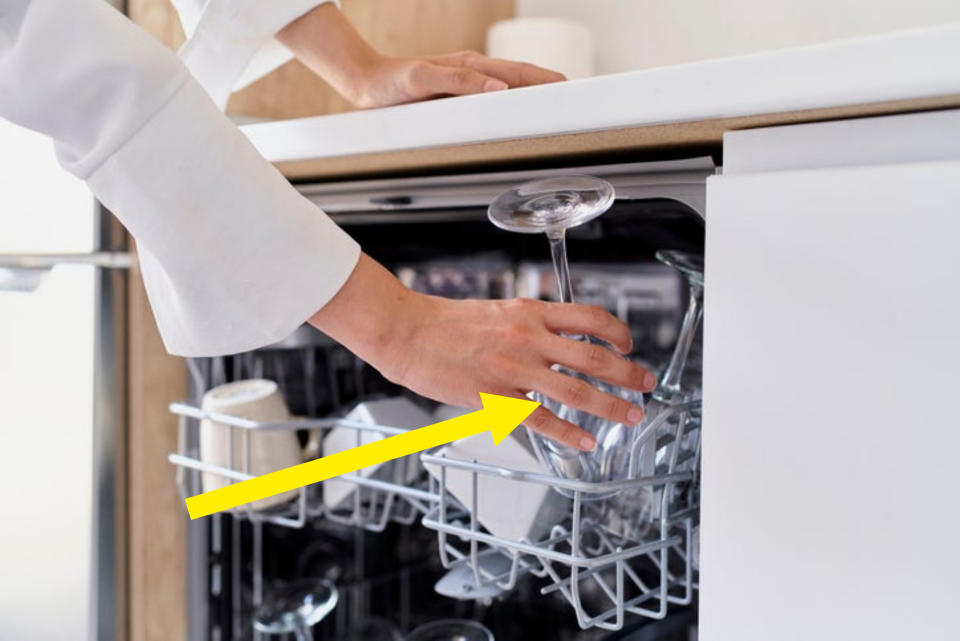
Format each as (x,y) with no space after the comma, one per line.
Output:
(518,74)
(588,319)
(515,74)
(427,79)
(599,362)
(543,421)
(581,395)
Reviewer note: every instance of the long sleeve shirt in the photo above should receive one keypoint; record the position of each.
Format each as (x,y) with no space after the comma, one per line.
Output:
(232,256)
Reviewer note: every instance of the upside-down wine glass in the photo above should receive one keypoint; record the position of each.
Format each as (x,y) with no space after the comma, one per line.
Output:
(296,607)
(691,266)
(451,630)
(551,206)
(629,515)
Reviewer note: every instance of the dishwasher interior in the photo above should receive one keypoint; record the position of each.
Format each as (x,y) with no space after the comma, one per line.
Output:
(400,539)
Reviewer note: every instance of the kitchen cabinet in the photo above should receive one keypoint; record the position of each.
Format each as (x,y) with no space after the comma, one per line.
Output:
(831,343)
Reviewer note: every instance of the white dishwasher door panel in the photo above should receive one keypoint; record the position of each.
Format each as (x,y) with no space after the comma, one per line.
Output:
(831,470)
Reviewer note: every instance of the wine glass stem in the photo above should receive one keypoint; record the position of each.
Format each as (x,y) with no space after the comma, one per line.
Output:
(670,383)
(303,633)
(558,250)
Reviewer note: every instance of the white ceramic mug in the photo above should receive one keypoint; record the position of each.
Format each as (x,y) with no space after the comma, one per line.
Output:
(258,400)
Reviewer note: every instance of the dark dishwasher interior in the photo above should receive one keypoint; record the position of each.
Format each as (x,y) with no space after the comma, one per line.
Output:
(391,574)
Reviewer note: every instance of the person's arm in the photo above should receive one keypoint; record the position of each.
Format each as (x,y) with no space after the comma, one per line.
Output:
(451,350)
(231,43)
(325,41)
(233,258)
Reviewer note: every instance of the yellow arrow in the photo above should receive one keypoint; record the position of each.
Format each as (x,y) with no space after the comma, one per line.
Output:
(500,415)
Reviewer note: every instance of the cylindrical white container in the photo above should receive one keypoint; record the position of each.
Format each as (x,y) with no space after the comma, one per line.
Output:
(257,400)
(553,43)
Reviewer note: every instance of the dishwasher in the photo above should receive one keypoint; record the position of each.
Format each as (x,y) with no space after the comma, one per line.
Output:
(410,546)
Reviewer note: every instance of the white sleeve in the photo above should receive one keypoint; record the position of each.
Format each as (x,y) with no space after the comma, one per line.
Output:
(230,43)
(232,256)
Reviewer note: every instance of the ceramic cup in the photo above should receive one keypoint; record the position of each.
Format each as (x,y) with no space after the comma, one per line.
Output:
(258,400)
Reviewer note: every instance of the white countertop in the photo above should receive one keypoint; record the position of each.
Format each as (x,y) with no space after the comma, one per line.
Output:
(891,67)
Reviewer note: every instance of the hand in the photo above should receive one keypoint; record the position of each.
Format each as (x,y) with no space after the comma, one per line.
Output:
(325,41)
(391,81)
(451,350)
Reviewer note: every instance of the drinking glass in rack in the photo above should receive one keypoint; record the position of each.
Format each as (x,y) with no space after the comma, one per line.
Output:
(296,607)
(551,206)
(451,630)
(629,513)
(691,266)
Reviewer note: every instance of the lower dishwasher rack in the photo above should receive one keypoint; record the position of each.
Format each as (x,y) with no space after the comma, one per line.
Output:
(603,575)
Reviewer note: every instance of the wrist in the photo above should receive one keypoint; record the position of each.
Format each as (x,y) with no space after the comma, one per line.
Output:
(355,79)
(374,316)
(325,41)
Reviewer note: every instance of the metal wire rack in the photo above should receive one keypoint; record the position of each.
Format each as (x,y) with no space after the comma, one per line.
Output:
(372,506)
(593,564)
(603,571)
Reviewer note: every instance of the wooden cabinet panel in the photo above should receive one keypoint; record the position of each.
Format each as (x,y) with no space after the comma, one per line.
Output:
(157,519)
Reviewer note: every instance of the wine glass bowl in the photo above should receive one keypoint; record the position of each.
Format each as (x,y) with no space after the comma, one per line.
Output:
(690,265)
(451,630)
(295,607)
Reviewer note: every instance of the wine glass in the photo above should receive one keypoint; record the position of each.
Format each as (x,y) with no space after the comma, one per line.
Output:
(691,266)
(451,630)
(296,607)
(632,514)
(372,629)
(551,206)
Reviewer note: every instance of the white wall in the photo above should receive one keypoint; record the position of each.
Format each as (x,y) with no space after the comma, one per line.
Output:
(634,34)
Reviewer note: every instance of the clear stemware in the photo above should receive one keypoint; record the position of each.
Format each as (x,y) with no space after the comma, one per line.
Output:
(294,608)
(551,206)
(691,266)
(629,515)
(451,630)
(373,629)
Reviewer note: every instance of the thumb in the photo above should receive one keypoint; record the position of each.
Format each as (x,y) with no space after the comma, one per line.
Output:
(431,79)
